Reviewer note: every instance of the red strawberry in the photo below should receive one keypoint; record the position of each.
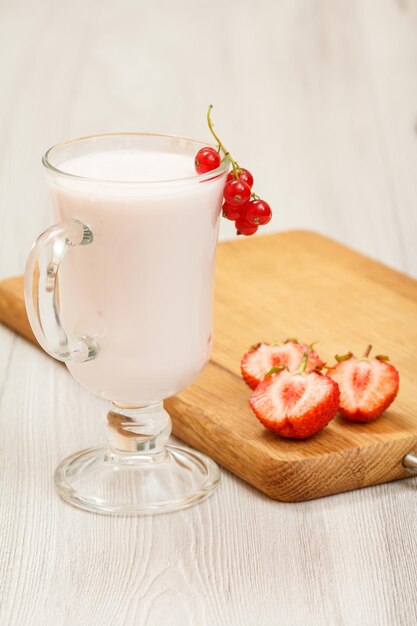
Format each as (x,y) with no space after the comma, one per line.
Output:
(367,385)
(264,356)
(295,404)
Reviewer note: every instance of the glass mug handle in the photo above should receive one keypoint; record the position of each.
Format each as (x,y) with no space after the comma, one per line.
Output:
(41,291)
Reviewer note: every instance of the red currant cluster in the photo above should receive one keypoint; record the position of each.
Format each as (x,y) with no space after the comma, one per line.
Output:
(241,205)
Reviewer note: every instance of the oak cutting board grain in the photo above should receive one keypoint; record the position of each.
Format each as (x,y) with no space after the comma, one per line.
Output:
(293,284)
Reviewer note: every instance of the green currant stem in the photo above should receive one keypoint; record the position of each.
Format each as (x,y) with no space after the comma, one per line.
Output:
(220,144)
(255,196)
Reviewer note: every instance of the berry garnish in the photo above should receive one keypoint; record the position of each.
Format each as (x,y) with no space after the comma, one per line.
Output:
(230,212)
(238,189)
(243,174)
(206,159)
(244,228)
(257,212)
(236,192)
(367,385)
(260,359)
(295,404)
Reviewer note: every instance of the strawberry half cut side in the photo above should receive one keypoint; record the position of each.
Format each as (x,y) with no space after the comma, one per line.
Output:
(295,405)
(263,357)
(367,385)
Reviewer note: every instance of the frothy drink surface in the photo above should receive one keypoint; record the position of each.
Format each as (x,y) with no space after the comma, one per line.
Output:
(126,165)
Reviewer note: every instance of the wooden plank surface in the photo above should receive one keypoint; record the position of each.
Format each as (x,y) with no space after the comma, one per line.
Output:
(325,117)
(309,283)
(300,284)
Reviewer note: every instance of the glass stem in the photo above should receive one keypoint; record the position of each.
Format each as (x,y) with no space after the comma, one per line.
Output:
(139,431)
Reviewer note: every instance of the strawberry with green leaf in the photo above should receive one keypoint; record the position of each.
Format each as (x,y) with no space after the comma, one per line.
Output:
(295,404)
(368,385)
(262,357)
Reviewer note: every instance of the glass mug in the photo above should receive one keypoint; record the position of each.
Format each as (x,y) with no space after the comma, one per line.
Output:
(132,314)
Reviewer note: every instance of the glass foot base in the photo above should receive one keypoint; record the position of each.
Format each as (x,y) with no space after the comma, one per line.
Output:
(101,481)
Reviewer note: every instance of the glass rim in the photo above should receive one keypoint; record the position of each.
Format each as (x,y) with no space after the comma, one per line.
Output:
(224,165)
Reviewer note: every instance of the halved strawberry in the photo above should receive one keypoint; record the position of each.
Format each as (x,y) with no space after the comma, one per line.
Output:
(264,356)
(295,404)
(367,385)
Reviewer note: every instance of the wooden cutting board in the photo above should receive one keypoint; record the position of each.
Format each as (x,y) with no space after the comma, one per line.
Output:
(294,284)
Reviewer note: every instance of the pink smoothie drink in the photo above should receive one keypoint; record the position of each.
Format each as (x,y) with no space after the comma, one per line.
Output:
(142,290)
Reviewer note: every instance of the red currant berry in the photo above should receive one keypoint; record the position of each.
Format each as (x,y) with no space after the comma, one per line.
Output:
(206,159)
(243,175)
(230,212)
(236,192)
(244,228)
(257,212)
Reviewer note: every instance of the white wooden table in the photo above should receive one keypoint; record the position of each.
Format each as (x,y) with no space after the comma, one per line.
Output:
(319,99)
